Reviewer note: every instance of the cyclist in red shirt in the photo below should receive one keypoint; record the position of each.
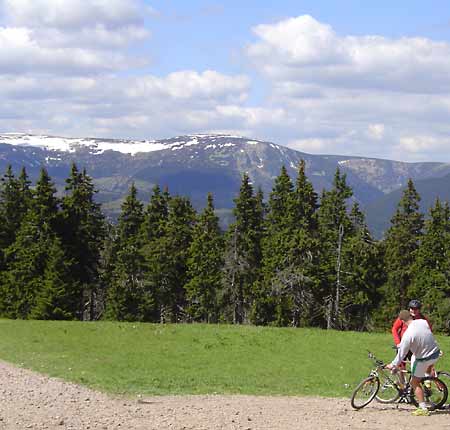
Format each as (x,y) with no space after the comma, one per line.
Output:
(399,327)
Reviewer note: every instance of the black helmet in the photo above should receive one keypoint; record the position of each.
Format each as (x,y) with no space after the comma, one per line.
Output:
(414,304)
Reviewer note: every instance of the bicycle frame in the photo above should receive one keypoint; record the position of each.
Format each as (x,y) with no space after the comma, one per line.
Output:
(435,390)
(403,394)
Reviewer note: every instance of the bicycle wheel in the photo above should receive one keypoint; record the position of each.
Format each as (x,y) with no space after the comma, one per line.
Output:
(388,391)
(444,375)
(435,392)
(365,392)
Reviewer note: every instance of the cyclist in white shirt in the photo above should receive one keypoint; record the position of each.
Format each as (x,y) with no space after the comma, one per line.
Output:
(420,341)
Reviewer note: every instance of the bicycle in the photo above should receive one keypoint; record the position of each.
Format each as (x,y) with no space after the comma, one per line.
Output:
(435,390)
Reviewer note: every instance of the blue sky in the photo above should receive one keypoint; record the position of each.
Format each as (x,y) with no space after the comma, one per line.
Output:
(336,77)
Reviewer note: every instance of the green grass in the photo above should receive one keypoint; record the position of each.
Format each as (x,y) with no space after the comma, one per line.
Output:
(131,358)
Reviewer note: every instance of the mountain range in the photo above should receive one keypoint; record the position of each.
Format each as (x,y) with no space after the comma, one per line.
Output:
(197,164)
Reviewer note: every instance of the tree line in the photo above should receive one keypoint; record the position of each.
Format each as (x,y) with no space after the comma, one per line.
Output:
(292,259)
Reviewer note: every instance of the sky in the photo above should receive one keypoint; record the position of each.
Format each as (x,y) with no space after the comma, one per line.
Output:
(340,77)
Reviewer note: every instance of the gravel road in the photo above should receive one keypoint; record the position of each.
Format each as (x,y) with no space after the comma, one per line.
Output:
(29,400)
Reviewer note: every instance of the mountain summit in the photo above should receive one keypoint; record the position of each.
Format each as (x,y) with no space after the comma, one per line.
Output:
(194,165)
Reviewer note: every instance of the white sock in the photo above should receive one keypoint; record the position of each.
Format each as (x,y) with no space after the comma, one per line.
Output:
(422,405)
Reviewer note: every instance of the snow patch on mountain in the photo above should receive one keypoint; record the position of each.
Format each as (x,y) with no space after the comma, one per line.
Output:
(98,145)
(71,144)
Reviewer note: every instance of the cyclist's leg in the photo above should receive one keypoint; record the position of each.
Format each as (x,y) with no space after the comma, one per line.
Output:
(417,373)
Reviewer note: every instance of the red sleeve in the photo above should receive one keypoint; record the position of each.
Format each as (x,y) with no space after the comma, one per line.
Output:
(396,330)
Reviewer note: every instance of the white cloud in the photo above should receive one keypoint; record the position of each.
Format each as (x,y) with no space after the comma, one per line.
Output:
(61,37)
(20,54)
(356,95)
(74,14)
(70,67)
(376,131)
(311,145)
(421,145)
(304,50)
(192,86)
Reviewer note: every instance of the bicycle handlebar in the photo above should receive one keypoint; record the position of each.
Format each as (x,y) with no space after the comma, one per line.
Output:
(377,362)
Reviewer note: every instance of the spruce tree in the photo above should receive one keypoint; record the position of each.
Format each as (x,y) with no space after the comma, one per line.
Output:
(242,267)
(27,257)
(401,245)
(15,200)
(152,236)
(204,267)
(83,230)
(431,268)
(175,244)
(289,250)
(22,280)
(334,229)
(156,214)
(362,275)
(129,296)
(58,296)
(272,302)
(302,273)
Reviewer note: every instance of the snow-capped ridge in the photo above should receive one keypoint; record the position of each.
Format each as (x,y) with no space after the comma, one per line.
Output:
(126,146)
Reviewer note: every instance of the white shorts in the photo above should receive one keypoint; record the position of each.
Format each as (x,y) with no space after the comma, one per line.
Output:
(419,368)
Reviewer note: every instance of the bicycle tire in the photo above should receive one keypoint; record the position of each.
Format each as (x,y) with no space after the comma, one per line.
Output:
(435,393)
(365,392)
(443,373)
(388,391)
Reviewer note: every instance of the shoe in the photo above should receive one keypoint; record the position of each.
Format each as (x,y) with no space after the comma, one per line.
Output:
(419,412)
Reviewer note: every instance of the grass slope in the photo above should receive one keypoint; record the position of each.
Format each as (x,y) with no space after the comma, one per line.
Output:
(132,358)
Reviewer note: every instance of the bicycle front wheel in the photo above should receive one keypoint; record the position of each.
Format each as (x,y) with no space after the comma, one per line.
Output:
(435,392)
(388,391)
(365,392)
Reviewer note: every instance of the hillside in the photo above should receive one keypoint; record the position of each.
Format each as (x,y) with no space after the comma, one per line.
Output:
(380,212)
(197,164)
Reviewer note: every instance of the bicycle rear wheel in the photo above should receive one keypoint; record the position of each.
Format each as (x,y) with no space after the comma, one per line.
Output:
(435,392)
(365,392)
(388,391)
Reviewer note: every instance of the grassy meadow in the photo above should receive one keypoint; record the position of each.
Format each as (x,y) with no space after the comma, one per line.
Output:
(152,359)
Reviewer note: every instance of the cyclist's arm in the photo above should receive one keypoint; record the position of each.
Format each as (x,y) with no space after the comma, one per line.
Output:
(396,330)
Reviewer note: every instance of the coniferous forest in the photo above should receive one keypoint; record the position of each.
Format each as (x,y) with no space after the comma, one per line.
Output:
(292,258)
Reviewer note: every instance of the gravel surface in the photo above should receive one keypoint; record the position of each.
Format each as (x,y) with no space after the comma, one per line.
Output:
(32,401)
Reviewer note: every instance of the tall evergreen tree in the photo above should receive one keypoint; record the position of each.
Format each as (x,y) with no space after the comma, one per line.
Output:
(204,266)
(168,261)
(401,245)
(129,295)
(290,249)
(57,297)
(305,201)
(334,228)
(362,274)
(27,256)
(272,300)
(431,268)
(152,236)
(304,245)
(243,254)
(83,231)
(15,200)
(156,215)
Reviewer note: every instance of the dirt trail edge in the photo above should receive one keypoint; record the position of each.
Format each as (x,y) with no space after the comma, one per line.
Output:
(29,400)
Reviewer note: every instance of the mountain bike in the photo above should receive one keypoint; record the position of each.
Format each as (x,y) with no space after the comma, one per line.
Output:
(434,389)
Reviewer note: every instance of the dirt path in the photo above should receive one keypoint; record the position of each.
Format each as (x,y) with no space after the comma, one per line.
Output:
(32,401)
